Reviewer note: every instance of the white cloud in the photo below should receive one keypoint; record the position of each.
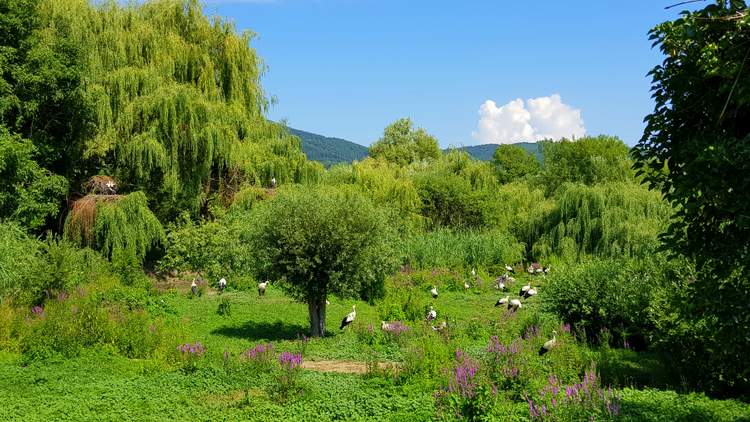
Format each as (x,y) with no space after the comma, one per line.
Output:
(533,120)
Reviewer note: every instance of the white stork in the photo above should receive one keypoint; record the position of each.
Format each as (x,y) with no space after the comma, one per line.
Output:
(466,285)
(433,291)
(262,288)
(525,289)
(349,318)
(509,269)
(431,315)
(440,327)
(531,292)
(549,344)
(515,305)
(194,288)
(222,284)
(502,301)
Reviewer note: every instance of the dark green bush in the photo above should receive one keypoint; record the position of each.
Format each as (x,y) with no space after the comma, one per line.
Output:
(607,295)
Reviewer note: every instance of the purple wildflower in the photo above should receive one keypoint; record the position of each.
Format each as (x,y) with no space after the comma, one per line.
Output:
(37,310)
(290,360)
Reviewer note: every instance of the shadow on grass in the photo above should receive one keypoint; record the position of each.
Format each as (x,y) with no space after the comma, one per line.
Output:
(269,331)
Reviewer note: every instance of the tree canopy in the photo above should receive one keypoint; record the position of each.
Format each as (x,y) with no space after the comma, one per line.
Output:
(402,144)
(513,162)
(696,150)
(322,241)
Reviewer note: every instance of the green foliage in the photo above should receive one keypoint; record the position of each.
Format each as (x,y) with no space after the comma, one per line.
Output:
(225,307)
(696,150)
(122,228)
(613,219)
(402,144)
(612,299)
(461,250)
(212,248)
(64,328)
(386,184)
(513,162)
(29,194)
(448,200)
(20,259)
(322,241)
(588,160)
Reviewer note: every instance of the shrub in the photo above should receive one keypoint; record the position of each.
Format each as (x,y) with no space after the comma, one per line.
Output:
(212,248)
(606,294)
(190,356)
(225,307)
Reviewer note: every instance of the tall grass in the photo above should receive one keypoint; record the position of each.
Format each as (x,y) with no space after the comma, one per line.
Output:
(461,249)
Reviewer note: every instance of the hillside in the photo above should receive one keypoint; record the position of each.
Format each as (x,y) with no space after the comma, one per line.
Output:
(484,152)
(329,150)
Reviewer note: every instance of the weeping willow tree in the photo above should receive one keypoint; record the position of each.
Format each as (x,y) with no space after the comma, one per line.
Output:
(385,183)
(121,227)
(614,219)
(176,102)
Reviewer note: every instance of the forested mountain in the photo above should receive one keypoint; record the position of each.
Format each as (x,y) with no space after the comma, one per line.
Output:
(484,152)
(329,150)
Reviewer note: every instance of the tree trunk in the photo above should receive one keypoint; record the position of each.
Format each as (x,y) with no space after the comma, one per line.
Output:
(317,309)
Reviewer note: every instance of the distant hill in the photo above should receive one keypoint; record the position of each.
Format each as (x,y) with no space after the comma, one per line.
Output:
(331,151)
(327,150)
(484,152)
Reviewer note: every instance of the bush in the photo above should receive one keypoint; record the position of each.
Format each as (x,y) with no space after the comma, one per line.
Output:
(607,294)
(211,247)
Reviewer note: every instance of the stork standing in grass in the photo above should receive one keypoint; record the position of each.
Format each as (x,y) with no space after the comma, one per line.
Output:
(549,344)
(262,288)
(349,318)
(514,304)
(273,183)
(466,285)
(194,288)
(509,269)
(440,327)
(433,292)
(531,292)
(431,315)
(525,289)
(222,284)
(502,301)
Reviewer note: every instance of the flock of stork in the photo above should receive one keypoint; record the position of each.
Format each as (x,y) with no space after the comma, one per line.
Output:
(501,283)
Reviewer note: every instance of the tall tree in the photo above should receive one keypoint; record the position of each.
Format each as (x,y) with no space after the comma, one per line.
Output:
(322,241)
(696,149)
(513,162)
(402,144)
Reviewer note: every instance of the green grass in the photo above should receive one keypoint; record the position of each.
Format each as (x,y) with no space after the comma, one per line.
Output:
(101,385)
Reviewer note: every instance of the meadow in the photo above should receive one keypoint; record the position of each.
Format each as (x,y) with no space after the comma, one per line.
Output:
(167,252)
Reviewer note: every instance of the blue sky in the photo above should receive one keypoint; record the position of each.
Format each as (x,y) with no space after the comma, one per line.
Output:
(347,68)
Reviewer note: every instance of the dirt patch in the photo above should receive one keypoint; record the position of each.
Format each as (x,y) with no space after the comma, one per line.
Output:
(343,366)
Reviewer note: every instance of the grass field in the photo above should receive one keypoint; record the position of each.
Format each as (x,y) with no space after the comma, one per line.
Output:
(99,384)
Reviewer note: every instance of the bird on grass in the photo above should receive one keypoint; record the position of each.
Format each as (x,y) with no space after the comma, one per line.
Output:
(549,344)
(194,288)
(262,288)
(531,292)
(466,286)
(502,301)
(431,314)
(440,327)
(273,182)
(349,318)
(514,305)
(222,285)
(524,289)
(509,269)
(434,293)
